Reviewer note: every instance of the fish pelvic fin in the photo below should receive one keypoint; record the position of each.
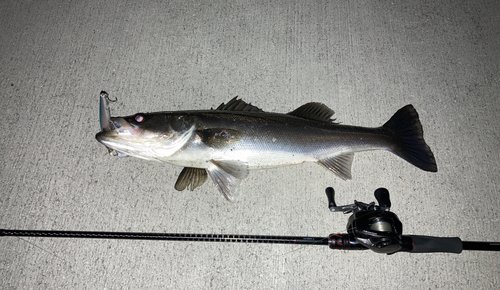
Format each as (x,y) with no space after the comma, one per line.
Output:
(191,178)
(409,139)
(226,176)
(339,164)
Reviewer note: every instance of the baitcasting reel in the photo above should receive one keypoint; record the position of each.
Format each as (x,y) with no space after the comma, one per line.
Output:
(370,226)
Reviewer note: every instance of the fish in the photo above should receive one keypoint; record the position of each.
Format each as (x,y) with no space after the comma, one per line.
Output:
(227,142)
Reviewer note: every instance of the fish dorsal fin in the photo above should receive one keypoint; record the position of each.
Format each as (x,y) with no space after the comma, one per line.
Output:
(238,105)
(314,111)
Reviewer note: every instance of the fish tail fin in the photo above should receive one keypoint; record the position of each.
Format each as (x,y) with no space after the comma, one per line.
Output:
(409,136)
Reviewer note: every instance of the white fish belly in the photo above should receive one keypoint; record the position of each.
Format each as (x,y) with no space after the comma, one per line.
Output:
(255,155)
(260,159)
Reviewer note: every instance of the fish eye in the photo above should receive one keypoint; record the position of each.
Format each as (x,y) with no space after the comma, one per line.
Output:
(139,118)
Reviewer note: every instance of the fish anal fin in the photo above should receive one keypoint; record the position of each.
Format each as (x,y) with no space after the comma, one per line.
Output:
(218,138)
(339,164)
(226,176)
(238,105)
(314,111)
(191,178)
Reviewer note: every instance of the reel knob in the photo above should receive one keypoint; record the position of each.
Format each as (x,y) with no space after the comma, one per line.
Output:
(382,196)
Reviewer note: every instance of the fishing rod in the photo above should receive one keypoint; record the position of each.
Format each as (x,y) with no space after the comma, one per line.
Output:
(370,227)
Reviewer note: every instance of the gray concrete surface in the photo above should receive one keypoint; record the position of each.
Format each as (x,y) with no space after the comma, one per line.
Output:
(364,59)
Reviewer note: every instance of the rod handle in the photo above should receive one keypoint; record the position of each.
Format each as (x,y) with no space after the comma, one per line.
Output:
(427,244)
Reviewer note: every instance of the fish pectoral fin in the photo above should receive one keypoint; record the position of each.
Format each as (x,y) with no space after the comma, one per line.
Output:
(314,111)
(227,176)
(219,138)
(191,178)
(339,164)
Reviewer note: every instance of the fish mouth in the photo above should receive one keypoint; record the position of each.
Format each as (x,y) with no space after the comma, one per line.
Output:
(113,135)
(118,127)
(104,136)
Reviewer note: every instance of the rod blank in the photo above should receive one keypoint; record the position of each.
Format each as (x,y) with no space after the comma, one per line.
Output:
(169,237)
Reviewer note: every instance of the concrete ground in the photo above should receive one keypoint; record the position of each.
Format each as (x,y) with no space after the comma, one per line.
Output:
(363,59)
